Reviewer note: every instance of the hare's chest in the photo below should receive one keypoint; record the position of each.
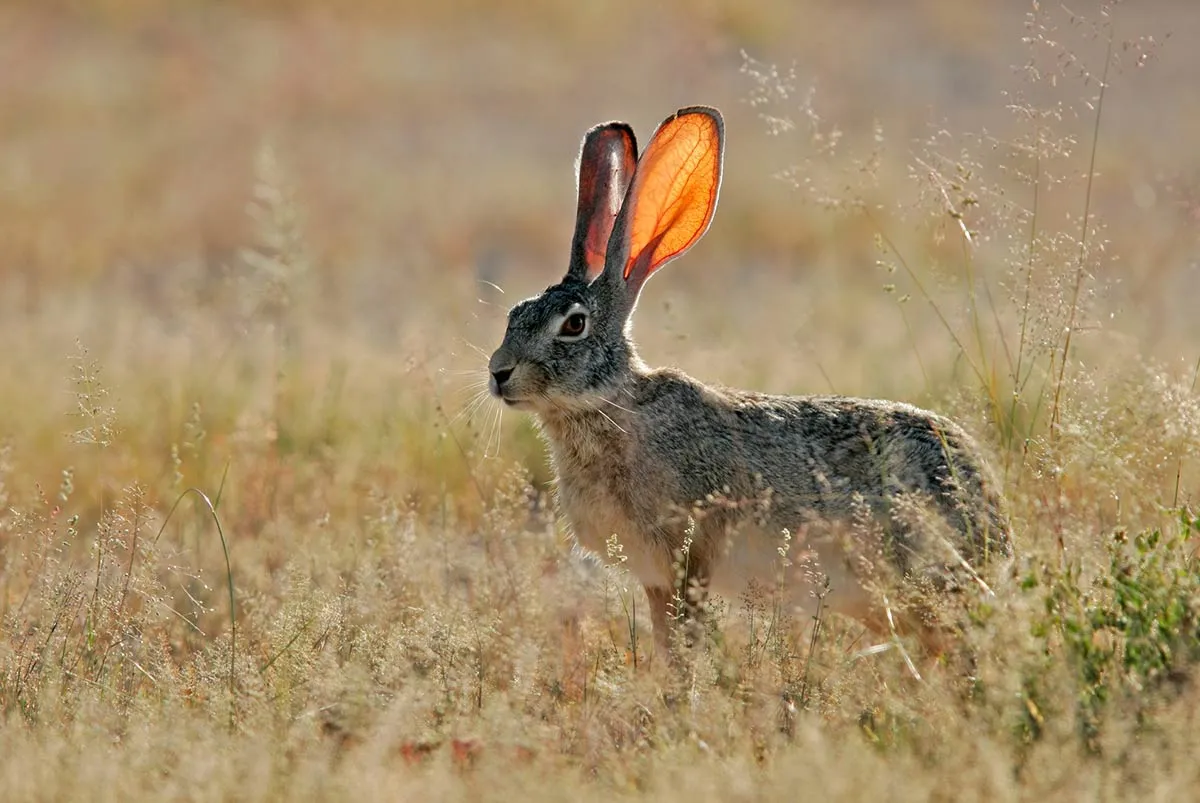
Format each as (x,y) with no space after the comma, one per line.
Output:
(602,518)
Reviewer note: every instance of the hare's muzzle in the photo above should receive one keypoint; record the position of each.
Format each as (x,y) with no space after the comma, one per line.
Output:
(500,371)
(497,379)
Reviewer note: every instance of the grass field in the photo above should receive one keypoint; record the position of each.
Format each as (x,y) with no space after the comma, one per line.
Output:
(259,542)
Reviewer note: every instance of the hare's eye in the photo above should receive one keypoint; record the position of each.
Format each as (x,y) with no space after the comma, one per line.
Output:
(573,325)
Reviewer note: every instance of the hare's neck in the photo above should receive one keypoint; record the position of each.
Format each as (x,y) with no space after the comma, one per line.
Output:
(599,429)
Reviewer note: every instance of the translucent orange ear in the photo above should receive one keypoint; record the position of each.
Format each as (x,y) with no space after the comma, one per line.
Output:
(674,191)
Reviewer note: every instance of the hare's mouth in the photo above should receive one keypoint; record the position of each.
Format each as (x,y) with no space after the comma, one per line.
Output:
(510,401)
(517,404)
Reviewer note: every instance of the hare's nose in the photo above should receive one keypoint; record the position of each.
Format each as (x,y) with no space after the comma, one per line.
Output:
(499,377)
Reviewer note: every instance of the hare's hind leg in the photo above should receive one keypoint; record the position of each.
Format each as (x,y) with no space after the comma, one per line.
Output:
(943,644)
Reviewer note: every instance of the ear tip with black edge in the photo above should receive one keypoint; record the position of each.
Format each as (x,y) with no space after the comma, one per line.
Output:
(711,112)
(708,111)
(614,125)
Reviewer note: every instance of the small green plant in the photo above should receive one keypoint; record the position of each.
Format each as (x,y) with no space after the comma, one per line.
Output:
(1132,627)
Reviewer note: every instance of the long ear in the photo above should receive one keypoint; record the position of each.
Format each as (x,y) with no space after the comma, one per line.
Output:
(672,198)
(607,160)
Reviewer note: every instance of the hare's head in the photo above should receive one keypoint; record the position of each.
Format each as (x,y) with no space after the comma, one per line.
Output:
(635,215)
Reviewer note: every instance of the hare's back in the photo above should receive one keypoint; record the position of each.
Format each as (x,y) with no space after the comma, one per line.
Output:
(816,454)
(706,430)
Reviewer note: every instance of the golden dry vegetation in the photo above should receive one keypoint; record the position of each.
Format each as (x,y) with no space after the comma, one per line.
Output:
(259,541)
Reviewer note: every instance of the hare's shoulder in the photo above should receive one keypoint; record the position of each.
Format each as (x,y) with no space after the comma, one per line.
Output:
(665,389)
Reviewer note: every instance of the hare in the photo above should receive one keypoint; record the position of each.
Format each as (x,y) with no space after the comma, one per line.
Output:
(708,488)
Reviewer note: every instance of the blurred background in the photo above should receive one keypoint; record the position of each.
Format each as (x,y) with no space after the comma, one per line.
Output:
(380,180)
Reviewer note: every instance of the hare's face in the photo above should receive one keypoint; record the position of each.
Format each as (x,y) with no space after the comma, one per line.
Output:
(556,351)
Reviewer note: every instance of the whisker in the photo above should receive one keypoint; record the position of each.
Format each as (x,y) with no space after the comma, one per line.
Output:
(614,404)
(471,398)
(487,434)
(476,408)
(601,412)
(471,407)
(463,372)
(497,420)
(469,384)
(480,351)
(472,389)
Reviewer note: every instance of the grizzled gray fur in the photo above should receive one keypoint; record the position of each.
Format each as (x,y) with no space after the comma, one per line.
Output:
(652,456)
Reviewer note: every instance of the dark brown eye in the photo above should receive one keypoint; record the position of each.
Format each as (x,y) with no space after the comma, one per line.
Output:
(573,325)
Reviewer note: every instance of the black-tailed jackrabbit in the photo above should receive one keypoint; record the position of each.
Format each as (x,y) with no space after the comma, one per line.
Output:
(706,487)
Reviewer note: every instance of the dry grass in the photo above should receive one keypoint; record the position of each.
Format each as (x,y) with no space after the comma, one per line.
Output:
(250,249)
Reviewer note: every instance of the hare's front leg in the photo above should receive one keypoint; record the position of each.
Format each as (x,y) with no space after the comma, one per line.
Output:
(662,606)
(664,616)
